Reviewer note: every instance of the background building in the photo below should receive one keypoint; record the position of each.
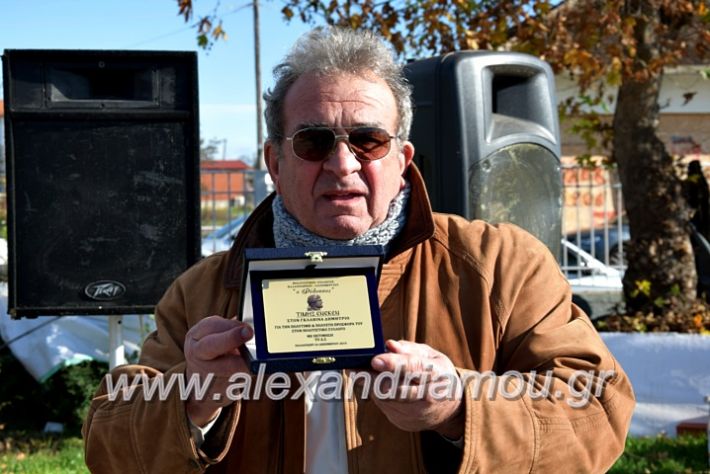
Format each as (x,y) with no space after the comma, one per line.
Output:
(223,183)
(592,196)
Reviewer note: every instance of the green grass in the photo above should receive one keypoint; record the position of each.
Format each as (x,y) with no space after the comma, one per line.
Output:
(42,454)
(64,455)
(686,454)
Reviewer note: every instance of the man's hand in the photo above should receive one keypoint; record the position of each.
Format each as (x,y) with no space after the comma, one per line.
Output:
(212,347)
(428,391)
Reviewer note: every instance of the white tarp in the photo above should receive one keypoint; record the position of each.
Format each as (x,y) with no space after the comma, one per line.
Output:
(670,374)
(65,340)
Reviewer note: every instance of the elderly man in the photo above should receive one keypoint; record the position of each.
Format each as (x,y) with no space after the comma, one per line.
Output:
(458,299)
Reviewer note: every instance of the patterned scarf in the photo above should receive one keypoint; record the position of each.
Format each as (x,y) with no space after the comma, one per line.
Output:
(289,233)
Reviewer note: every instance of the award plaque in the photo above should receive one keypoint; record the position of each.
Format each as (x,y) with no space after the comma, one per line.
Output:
(312,309)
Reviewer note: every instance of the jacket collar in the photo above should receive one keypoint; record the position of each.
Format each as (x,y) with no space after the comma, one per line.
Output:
(257,231)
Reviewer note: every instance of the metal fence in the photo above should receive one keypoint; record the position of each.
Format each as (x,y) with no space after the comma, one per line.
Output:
(230,194)
(593,218)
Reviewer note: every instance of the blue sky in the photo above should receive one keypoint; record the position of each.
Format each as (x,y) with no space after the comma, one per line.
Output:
(226,72)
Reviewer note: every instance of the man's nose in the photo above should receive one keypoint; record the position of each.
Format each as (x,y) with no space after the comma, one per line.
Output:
(341,160)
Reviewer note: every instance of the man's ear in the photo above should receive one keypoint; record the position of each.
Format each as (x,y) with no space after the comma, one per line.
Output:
(271,157)
(407,151)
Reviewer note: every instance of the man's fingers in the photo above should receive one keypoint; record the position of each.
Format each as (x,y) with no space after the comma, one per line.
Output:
(412,348)
(225,366)
(215,345)
(211,325)
(390,362)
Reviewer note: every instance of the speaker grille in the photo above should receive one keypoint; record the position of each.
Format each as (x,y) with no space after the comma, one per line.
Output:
(519,184)
(103,186)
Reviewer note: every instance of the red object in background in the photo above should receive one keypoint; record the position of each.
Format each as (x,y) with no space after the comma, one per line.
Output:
(693,426)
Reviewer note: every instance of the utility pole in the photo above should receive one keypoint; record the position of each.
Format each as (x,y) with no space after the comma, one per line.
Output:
(260,163)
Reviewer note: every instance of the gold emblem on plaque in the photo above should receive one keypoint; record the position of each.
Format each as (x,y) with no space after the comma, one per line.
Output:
(316,257)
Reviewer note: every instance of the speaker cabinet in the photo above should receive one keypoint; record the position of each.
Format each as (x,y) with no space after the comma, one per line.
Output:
(102,155)
(487,142)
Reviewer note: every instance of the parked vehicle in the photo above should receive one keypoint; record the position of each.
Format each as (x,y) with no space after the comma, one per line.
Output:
(606,244)
(223,237)
(591,277)
(596,287)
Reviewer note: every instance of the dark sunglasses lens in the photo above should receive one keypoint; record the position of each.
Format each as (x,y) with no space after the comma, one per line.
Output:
(313,144)
(369,143)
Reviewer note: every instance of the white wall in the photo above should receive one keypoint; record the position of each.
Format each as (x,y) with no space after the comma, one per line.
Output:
(676,83)
(670,374)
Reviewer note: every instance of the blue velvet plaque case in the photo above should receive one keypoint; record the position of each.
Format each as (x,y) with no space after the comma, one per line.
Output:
(312,308)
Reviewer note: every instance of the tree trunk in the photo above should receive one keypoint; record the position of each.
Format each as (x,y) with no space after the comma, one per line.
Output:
(661,270)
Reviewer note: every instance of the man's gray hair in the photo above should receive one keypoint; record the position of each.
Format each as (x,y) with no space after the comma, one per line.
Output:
(330,51)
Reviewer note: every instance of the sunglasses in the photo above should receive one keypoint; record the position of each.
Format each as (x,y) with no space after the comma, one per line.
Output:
(317,143)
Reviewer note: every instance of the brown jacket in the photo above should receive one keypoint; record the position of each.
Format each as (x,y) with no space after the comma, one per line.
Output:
(491,297)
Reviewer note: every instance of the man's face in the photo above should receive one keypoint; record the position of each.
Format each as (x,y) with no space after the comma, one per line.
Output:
(340,197)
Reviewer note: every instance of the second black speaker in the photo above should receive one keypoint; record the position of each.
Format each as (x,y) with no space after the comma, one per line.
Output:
(486,136)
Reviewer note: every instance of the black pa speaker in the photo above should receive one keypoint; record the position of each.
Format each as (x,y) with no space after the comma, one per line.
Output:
(102,155)
(487,141)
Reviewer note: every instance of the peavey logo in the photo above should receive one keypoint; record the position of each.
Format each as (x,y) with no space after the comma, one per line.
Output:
(104,290)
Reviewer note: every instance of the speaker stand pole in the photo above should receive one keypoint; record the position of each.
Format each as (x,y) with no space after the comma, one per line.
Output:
(117,352)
